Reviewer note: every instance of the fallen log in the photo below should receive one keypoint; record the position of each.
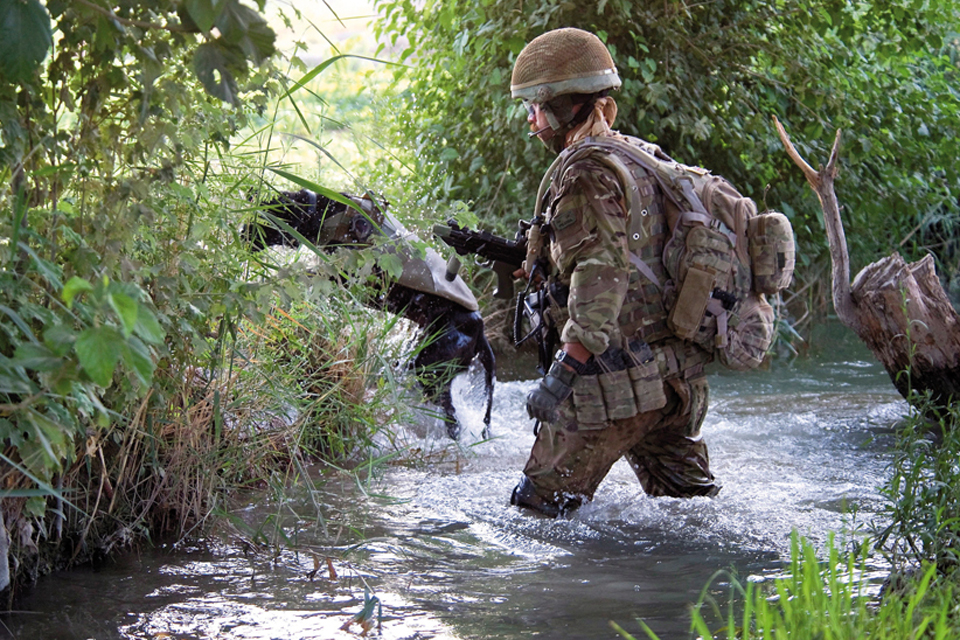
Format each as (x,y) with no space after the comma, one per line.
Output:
(899,310)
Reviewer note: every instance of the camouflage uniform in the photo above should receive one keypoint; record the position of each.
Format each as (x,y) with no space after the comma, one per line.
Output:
(593,247)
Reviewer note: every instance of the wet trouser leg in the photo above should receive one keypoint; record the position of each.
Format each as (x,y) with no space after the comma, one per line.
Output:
(569,460)
(672,458)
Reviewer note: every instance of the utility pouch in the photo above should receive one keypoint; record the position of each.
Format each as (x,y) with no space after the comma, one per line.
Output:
(618,394)
(588,400)
(645,377)
(615,383)
(772,252)
(687,313)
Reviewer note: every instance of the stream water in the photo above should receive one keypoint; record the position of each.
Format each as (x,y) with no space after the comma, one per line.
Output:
(438,545)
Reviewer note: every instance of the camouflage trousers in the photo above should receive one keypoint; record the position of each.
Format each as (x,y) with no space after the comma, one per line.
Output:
(664,448)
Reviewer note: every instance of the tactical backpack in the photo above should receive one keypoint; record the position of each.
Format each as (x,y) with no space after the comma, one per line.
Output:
(721,256)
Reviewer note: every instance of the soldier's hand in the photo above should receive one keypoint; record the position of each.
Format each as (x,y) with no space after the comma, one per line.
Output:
(543,403)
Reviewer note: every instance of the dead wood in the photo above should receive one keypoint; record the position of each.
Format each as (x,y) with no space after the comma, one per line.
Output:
(899,310)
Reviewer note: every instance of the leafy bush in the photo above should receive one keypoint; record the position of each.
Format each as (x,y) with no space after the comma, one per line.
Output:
(127,404)
(703,80)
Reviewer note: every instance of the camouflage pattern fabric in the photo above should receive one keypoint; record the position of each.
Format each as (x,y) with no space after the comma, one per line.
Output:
(589,242)
(588,246)
(664,447)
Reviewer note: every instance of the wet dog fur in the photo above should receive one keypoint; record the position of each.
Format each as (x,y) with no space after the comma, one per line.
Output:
(451,336)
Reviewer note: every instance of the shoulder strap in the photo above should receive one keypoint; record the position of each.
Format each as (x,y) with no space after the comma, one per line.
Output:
(595,148)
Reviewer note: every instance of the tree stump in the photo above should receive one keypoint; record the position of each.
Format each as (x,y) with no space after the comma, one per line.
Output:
(900,311)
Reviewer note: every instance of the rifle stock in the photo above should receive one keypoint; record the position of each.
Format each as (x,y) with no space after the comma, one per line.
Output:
(505,256)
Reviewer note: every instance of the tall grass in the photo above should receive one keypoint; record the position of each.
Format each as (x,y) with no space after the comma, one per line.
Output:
(147,369)
(825,595)
(922,523)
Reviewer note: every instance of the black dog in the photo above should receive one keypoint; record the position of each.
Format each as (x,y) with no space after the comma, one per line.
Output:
(451,331)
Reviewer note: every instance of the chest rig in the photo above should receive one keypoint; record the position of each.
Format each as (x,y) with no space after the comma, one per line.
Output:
(643,314)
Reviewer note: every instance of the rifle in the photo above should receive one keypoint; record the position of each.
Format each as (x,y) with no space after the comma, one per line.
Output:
(505,256)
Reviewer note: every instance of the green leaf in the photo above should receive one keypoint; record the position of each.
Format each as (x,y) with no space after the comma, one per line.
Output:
(205,12)
(35,506)
(210,63)
(147,327)
(137,357)
(74,286)
(25,38)
(36,357)
(246,29)
(47,444)
(126,309)
(98,349)
(391,264)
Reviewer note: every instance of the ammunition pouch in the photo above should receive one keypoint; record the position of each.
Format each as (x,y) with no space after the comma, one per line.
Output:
(618,384)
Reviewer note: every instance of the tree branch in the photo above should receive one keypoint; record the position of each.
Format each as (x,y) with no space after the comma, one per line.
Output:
(129,22)
(822,184)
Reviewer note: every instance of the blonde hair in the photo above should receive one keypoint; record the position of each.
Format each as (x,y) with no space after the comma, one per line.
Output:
(598,123)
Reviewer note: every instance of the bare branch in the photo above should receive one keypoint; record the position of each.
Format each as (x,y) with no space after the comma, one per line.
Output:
(822,184)
(834,155)
(809,173)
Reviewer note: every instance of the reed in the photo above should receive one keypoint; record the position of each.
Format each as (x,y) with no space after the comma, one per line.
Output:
(823,595)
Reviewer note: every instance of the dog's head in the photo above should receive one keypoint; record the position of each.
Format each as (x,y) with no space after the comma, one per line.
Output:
(321,220)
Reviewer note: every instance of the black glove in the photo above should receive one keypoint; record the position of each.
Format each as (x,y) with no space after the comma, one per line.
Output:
(555,387)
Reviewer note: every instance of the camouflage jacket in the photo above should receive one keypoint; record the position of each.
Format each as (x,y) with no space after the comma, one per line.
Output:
(594,246)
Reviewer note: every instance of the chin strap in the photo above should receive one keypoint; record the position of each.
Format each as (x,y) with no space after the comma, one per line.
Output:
(561,119)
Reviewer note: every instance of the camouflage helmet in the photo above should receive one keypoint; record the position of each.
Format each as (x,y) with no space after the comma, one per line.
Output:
(560,62)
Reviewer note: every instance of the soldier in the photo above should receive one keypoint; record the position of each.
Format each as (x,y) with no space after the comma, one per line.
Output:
(621,384)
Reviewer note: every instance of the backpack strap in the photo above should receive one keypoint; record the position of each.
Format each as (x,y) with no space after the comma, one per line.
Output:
(645,269)
(716,307)
(590,148)
(673,179)
(688,217)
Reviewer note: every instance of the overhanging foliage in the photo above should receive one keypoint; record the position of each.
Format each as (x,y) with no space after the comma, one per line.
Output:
(703,80)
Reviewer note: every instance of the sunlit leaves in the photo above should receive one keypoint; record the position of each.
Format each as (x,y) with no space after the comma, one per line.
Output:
(702,80)
(72,288)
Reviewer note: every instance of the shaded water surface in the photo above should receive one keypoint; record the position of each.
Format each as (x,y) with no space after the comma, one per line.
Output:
(447,557)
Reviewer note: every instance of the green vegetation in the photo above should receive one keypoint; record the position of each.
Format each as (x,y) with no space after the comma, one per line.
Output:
(703,80)
(832,593)
(148,366)
(828,598)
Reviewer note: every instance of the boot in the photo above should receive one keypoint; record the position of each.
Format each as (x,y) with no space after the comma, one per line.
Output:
(524,495)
